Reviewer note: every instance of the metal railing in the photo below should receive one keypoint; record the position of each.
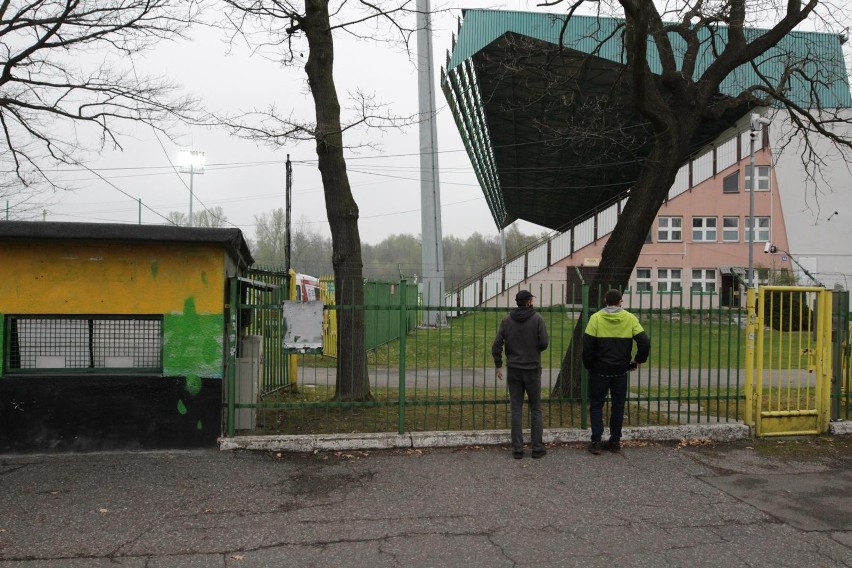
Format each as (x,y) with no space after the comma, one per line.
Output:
(442,378)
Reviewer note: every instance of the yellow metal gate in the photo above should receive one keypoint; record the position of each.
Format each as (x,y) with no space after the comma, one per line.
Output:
(788,367)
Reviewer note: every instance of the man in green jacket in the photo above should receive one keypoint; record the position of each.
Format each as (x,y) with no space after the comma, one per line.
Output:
(525,336)
(607,346)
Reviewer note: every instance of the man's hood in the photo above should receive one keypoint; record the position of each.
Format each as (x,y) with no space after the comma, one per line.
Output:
(522,314)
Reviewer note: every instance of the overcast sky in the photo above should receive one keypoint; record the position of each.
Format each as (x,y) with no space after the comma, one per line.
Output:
(248,180)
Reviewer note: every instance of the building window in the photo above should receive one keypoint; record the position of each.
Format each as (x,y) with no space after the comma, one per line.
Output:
(731,183)
(731,229)
(668,279)
(83,344)
(761,233)
(704,229)
(762,178)
(703,280)
(669,229)
(643,279)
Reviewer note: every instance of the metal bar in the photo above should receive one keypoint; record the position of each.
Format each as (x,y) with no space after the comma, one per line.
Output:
(233,310)
(403,336)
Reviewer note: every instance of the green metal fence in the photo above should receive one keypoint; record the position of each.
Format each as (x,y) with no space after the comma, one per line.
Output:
(443,378)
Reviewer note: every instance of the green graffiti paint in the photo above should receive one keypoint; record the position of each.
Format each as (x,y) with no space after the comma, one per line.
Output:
(181,407)
(199,426)
(193,345)
(204,279)
(155,268)
(193,384)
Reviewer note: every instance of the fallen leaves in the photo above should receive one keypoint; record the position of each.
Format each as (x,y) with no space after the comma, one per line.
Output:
(683,443)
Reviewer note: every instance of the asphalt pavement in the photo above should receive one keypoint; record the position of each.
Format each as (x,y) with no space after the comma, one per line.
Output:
(694,503)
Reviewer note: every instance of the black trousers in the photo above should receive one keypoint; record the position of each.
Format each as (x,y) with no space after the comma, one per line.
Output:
(527,381)
(616,386)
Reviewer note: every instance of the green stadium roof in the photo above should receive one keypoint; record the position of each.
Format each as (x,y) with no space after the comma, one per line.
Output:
(510,112)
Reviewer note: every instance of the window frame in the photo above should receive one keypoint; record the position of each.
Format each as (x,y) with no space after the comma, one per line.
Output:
(85,342)
(663,282)
(726,229)
(703,280)
(665,234)
(705,230)
(765,230)
(727,187)
(643,284)
(762,179)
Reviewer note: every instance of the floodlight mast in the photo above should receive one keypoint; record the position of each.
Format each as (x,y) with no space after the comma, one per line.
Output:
(191,162)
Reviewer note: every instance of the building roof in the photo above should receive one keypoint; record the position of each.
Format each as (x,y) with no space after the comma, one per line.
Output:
(517,80)
(231,239)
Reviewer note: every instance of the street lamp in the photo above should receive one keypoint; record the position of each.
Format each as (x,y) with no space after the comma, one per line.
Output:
(190,162)
(757,123)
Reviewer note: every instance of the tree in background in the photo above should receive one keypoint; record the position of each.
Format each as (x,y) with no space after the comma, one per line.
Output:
(666,89)
(211,218)
(177,218)
(285,30)
(56,106)
(269,247)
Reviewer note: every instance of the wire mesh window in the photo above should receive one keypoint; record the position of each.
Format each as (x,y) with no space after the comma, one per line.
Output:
(83,343)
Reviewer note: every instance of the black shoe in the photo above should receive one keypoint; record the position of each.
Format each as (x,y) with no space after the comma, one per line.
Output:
(519,455)
(595,448)
(611,446)
(539,454)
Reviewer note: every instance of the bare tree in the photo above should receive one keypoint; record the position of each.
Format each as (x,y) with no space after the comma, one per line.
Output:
(673,101)
(212,217)
(270,238)
(177,218)
(282,29)
(67,82)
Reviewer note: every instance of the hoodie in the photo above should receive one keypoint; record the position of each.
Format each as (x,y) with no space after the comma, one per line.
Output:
(524,335)
(608,341)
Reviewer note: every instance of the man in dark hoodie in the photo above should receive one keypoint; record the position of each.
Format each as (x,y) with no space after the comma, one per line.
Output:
(525,336)
(607,345)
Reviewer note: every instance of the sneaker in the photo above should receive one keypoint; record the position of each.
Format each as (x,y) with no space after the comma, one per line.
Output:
(611,446)
(595,448)
(518,455)
(539,454)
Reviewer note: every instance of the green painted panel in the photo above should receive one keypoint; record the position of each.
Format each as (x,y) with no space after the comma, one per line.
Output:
(193,346)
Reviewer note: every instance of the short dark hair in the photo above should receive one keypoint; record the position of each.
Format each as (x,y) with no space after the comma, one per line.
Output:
(612,297)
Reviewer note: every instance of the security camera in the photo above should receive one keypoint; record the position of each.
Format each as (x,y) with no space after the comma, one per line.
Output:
(757,121)
(766,248)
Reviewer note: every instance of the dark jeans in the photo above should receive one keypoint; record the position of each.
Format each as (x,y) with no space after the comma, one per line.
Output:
(599,385)
(529,381)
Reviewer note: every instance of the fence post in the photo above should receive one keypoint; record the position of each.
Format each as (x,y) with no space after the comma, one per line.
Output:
(584,374)
(403,335)
(751,331)
(233,311)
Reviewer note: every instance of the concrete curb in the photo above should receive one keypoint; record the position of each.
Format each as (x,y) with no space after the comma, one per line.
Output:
(349,442)
(840,428)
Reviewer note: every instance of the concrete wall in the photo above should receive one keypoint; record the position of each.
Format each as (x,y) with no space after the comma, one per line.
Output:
(185,283)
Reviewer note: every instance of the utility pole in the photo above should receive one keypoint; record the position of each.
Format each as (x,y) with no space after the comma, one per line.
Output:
(756,127)
(288,198)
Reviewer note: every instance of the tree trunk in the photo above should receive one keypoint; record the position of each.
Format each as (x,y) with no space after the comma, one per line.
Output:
(352,380)
(622,249)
